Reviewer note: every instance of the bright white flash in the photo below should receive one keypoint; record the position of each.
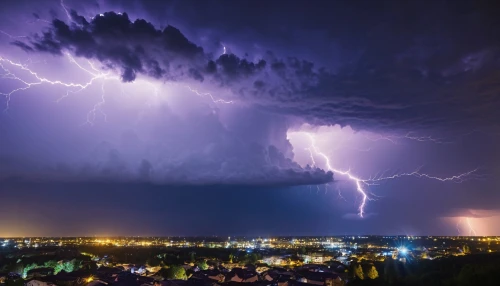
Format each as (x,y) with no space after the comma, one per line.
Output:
(34,79)
(28,78)
(363,184)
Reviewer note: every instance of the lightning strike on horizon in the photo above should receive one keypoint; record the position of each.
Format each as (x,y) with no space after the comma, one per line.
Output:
(458,227)
(360,183)
(471,229)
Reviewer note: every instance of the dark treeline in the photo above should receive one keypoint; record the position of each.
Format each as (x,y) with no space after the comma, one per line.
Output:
(477,269)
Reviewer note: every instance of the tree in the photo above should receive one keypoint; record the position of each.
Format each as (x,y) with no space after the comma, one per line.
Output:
(372,273)
(202,265)
(174,272)
(28,268)
(424,255)
(14,282)
(153,261)
(358,271)
(390,271)
(231,256)
(77,264)
(58,268)
(466,249)
(68,266)
(50,264)
(253,258)
(92,266)
(302,250)
(192,257)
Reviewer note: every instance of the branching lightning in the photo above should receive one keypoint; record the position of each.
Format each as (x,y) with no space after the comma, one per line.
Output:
(38,80)
(394,139)
(359,182)
(207,94)
(12,70)
(456,178)
(362,184)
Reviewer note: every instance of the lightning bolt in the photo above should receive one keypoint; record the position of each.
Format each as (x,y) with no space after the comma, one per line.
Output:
(471,229)
(208,94)
(6,65)
(12,71)
(91,115)
(425,138)
(458,227)
(63,6)
(358,182)
(362,184)
(11,36)
(468,223)
(394,139)
(456,178)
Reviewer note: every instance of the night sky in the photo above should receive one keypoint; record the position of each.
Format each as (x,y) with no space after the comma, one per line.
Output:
(249,117)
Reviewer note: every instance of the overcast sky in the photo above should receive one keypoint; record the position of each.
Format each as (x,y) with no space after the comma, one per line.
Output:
(249,117)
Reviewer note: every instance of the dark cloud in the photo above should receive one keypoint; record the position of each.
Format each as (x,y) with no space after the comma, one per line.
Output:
(163,148)
(23,46)
(116,41)
(389,67)
(233,68)
(397,87)
(419,81)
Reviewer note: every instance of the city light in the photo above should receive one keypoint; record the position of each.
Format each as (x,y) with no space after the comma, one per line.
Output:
(403,250)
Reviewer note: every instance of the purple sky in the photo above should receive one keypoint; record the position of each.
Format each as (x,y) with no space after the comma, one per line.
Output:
(244,117)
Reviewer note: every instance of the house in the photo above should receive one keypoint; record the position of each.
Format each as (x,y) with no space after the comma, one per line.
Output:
(213,275)
(189,282)
(138,270)
(256,283)
(40,272)
(38,283)
(320,278)
(241,275)
(97,283)
(62,278)
(128,279)
(3,277)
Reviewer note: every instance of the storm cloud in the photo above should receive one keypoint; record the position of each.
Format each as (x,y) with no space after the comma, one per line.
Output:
(212,102)
(422,81)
